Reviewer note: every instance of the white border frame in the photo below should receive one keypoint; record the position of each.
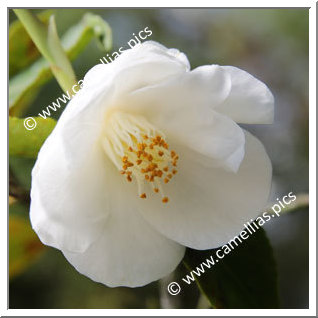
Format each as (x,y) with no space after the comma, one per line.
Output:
(312,166)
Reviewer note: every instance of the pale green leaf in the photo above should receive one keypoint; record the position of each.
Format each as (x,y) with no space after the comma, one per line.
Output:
(61,66)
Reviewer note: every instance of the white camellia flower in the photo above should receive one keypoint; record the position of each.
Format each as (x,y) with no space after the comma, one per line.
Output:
(147,159)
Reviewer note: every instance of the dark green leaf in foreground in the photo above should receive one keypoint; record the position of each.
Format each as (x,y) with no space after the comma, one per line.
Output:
(245,278)
(27,143)
(24,86)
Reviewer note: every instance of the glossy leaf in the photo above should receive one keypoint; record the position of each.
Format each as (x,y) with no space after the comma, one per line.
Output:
(244,278)
(27,143)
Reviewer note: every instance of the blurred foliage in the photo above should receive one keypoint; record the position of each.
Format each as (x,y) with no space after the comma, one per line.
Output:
(27,143)
(11,200)
(22,51)
(24,87)
(272,44)
(25,247)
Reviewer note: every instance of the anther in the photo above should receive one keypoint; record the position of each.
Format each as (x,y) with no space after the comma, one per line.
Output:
(165,199)
(140,153)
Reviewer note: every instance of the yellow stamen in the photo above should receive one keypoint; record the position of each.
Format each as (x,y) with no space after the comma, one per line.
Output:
(140,152)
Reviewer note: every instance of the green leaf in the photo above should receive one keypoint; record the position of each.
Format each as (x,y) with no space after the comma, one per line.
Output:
(244,278)
(36,30)
(61,66)
(24,246)
(22,50)
(48,43)
(100,29)
(27,143)
(78,36)
(24,87)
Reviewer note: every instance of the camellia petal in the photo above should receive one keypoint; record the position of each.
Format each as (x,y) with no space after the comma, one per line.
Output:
(67,209)
(129,252)
(250,101)
(210,134)
(210,84)
(145,65)
(207,206)
(178,108)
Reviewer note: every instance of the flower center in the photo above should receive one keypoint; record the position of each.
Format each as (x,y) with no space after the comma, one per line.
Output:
(139,151)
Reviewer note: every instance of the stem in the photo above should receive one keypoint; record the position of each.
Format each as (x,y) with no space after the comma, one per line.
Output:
(302,201)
